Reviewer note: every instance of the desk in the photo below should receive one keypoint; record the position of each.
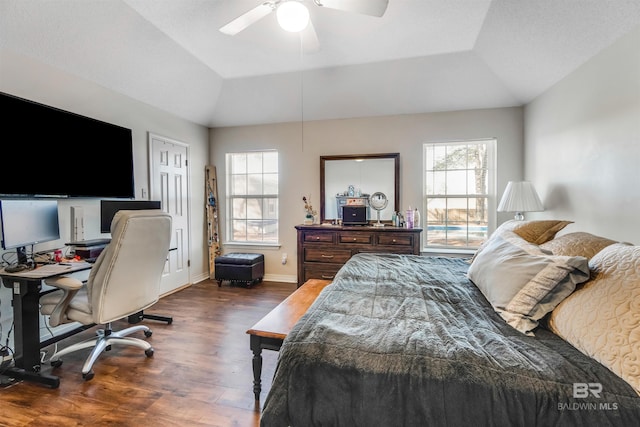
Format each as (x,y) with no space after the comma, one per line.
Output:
(26,287)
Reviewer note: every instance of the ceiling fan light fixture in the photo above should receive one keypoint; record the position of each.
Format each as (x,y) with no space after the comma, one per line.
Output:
(292,16)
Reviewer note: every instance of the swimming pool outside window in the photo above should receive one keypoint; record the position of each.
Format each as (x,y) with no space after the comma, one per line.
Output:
(459,182)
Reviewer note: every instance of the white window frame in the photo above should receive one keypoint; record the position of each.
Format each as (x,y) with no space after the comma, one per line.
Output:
(491,168)
(231,196)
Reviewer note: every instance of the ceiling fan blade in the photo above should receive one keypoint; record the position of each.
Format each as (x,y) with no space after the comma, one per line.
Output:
(366,7)
(248,18)
(309,39)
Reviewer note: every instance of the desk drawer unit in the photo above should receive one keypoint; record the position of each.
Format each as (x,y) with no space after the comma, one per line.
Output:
(323,250)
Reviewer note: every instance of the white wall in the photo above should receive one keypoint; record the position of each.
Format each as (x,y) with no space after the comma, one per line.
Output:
(582,148)
(32,80)
(300,148)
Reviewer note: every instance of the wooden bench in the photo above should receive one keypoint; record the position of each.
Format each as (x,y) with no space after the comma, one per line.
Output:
(272,329)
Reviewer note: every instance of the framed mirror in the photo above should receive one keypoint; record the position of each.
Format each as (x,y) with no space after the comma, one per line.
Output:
(353,178)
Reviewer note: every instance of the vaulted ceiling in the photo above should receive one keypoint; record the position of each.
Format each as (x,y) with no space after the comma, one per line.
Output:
(420,56)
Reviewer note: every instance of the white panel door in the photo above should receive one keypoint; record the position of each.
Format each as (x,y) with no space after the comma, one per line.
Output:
(169,184)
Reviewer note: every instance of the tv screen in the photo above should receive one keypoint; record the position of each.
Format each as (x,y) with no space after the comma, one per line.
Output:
(108,209)
(28,222)
(62,154)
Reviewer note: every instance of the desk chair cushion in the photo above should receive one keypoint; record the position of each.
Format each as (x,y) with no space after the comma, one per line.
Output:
(78,308)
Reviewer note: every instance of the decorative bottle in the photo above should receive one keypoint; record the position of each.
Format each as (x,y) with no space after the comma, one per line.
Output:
(416,218)
(409,218)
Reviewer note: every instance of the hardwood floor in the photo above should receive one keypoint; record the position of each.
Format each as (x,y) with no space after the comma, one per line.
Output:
(200,374)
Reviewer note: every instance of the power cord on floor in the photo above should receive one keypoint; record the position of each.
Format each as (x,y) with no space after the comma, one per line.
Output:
(6,361)
(43,353)
(6,357)
(6,354)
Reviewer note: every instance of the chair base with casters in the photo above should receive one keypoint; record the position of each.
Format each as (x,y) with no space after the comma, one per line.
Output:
(103,341)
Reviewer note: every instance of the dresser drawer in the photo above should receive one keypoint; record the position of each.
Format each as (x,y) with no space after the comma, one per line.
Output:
(355,238)
(320,271)
(395,239)
(319,237)
(330,255)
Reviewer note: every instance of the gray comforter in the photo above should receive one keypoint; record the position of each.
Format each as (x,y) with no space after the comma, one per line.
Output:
(404,340)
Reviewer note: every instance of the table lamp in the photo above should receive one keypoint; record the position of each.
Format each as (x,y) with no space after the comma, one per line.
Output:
(520,197)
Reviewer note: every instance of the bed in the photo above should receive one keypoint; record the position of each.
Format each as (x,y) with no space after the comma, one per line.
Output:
(407,340)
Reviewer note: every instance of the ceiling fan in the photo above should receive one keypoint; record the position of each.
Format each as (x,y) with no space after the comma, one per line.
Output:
(284,7)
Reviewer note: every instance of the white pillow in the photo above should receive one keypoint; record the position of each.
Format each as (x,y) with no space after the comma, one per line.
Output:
(522,282)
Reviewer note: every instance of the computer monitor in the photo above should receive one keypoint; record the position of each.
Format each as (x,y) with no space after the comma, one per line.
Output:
(28,222)
(108,209)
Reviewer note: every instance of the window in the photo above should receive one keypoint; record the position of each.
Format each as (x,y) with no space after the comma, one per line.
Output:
(458,187)
(252,192)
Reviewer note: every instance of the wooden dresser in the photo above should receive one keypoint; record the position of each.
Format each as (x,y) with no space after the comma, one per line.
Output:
(323,249)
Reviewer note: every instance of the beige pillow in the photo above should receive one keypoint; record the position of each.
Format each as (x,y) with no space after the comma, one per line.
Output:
(539,231)
(534,231)
(602,319)
(577,244)
(522,282)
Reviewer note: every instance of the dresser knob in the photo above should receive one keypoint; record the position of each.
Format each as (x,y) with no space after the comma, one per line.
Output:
(394,240)
(355,239)
(317,237)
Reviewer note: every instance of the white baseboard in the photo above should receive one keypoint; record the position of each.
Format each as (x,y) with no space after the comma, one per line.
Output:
(200,277)
(280,278)
(268,277)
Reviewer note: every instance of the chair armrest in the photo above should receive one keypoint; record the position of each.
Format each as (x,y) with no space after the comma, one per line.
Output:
(64,282)
(70,286)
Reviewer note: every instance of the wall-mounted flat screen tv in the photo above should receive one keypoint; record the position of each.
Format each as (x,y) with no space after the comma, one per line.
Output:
(56,153)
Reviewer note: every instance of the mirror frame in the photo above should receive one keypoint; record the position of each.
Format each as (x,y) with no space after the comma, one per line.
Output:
(351,157)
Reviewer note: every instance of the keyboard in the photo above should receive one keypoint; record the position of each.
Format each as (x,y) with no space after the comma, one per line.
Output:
(53,269)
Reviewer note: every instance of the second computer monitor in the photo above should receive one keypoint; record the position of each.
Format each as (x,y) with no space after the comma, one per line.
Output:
(108,209)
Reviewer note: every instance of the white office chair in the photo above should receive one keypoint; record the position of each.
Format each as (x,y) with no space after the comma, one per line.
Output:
(124,280)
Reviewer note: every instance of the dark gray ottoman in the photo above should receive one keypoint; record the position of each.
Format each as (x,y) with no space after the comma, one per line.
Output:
(240,268)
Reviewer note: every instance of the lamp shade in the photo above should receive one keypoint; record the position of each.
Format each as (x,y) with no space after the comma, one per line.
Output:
(292,16)
(519,197)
